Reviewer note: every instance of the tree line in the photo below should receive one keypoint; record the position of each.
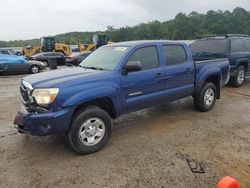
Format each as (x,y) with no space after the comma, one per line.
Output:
(182,27)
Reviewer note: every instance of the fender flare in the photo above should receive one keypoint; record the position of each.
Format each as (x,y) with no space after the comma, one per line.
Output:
(242,61)
(205,75)
(95,93)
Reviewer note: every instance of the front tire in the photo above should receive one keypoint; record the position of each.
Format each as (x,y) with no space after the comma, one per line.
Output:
(206,99)
(239,77)
(90,130)
(34,69)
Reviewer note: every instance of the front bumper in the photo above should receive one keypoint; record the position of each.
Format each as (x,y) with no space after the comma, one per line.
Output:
(42,67)
(49,123)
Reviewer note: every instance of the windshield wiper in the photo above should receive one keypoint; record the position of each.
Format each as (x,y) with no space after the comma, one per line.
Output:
(94,68)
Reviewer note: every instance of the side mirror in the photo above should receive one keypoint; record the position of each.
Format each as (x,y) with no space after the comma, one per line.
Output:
(132,66)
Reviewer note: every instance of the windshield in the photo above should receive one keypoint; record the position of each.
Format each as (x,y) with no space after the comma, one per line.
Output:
(213,46)
(105,58)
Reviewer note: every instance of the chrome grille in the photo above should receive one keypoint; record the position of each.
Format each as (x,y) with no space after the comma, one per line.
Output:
(24,94)
(25,90)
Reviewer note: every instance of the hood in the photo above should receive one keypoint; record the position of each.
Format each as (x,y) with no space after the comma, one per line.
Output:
(35,62)
(53,78)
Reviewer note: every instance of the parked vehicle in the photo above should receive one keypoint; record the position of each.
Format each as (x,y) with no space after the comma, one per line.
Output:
(235,47)
(6,52)
(77,58)
(10,51)
(114,80)
(47,56)
(17,64)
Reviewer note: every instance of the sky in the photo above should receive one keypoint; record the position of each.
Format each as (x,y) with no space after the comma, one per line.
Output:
(28,19)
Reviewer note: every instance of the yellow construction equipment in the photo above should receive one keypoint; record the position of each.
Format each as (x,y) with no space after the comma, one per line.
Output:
(86,47)
(98,41)
(48,44)
(31,50)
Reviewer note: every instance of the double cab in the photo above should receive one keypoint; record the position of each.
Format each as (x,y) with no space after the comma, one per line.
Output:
(80,102)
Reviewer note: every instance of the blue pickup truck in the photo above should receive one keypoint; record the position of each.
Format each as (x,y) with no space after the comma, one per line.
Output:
(116,79)
(235,47)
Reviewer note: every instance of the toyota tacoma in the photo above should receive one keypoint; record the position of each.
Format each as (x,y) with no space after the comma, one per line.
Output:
(80,102)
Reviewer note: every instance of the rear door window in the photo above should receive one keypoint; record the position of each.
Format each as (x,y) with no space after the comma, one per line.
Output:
(236,45)
(174,55)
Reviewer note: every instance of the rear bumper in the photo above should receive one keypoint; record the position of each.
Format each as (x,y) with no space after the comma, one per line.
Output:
(50,123)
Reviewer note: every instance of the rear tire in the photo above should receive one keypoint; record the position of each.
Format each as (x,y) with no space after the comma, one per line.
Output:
(239,78)
(90,130)
(206,99)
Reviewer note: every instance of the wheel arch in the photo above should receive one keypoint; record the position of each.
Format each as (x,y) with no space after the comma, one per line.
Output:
(104,103)
(243,62)
(213,78)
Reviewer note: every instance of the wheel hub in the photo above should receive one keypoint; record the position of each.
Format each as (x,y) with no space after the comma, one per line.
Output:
(92,131)
(35,69)
(241,76)
(209,97)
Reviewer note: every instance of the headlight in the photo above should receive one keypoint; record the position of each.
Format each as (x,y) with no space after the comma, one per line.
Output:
(43,64)
(45,96)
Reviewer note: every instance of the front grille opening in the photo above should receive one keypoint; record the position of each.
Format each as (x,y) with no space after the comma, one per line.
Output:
(24,94)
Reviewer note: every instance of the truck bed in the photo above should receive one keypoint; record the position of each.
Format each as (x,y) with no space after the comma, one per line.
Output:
(220,64)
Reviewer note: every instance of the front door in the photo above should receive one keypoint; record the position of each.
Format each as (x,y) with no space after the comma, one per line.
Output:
(141,89)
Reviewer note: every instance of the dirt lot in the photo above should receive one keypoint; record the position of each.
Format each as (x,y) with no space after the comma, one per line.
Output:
(147,149)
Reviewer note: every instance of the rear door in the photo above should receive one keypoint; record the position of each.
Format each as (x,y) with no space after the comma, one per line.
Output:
(142,88)
(179,71)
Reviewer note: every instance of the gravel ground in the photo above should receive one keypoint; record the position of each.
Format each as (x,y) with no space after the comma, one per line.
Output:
(148,148)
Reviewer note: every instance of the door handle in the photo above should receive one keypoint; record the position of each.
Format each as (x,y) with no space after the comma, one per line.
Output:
(188,70)
(158,75)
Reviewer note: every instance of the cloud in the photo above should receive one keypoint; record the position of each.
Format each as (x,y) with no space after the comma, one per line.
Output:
(35,18)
